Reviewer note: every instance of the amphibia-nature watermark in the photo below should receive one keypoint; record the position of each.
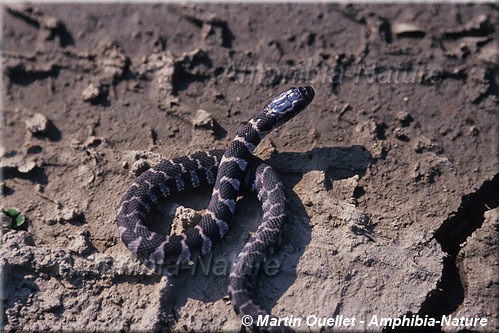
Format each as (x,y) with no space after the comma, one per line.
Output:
(310,74)
(222,265)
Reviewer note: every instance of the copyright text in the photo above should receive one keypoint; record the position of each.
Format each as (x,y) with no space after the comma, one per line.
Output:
(314,321)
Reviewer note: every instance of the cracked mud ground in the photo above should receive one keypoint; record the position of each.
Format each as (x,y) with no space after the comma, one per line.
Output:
(391,173)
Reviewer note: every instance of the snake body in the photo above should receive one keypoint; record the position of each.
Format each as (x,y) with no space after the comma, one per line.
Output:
(229,172)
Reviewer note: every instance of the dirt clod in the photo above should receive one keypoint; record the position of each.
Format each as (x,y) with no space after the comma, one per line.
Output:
(204,119)
(91,93)
(37,124)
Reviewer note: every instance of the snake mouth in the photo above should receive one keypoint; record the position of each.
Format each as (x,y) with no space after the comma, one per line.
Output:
(307,92)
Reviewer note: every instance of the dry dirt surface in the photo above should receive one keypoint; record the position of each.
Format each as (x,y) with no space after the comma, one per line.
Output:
(391,173)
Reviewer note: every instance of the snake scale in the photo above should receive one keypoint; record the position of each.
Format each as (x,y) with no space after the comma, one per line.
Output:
(229,172)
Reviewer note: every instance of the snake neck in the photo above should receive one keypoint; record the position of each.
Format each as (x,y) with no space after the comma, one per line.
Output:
(257,129)
(278,111)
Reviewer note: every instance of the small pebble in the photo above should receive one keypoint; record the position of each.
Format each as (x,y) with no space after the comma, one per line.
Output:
(204,119)
(37,124)
(399,134)
(404,118)
(407,29)
(91,93)
(139,167)
(26,167)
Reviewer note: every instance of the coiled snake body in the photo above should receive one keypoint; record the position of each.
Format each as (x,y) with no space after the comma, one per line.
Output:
(229,172)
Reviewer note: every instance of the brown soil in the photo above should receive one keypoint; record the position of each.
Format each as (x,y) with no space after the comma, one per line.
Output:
(391,173)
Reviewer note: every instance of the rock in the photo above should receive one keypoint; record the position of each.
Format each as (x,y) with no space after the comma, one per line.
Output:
(408,30)
(80,243)
(91,93)
(139,167)
(400,134)
(404,118)
(423,144)
(37,124)
(204,119)
(26,167)
(143,161)
(185,219)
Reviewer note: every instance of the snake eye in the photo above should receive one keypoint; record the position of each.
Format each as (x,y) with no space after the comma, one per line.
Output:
(307,92)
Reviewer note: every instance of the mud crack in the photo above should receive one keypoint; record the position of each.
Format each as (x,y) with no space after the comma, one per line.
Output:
(450,291)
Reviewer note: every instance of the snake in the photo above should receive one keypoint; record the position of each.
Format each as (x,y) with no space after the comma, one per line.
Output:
(231,172)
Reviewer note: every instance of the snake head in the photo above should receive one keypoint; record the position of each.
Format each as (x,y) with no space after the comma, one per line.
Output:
(289,103)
